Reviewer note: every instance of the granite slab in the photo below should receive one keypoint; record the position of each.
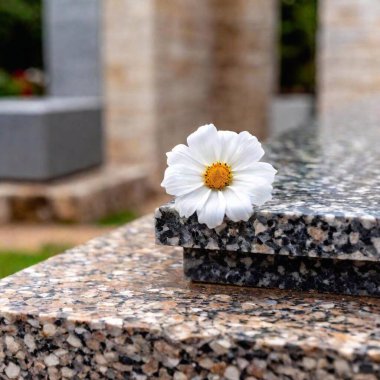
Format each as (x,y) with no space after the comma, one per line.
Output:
(278,232)
(119,307)
(326,198)
(321,231)
(285,272)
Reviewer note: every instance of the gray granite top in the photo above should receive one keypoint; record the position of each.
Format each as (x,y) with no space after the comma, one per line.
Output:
(326,195)
(119,307)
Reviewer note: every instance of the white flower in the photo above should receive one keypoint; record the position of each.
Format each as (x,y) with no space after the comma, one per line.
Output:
(218,174)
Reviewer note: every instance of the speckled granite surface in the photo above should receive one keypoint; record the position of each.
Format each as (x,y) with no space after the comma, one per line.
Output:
(120,308)
(326,199)
(321,230)
(273,232)
(284,272)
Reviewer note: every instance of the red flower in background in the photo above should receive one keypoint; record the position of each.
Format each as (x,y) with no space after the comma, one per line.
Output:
(21,78)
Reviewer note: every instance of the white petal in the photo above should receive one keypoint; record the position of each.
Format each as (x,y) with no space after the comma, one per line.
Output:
(178,184)
(182,170)
(212,213)
(181,155)
(178,190)
(187,204)
(257,169)
(259,191)
(249,151)
(204,144)
(229,144)
(261,195)
(238,204)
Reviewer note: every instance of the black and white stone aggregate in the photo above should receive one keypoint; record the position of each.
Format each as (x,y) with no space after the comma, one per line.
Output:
(276,233)
(283,272)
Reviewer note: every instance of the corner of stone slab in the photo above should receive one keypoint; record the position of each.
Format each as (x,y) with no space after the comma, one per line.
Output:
(157,213)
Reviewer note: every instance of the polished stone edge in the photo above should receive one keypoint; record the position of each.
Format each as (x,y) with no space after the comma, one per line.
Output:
(290,234)
(291,273)
(63,349)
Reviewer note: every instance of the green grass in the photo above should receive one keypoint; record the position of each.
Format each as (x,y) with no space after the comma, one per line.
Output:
(297,45)
(14,261)
(118,218)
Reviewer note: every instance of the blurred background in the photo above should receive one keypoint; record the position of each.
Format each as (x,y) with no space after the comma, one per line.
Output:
(21,37)
(93,93)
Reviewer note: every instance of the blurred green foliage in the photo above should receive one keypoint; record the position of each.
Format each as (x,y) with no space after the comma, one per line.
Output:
(21,43)
(14,261)
(297,45)
(8,86)
(118,219)
(20,34)
(20,46)
(28,82)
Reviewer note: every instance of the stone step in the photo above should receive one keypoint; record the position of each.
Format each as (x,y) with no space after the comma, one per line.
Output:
(321,230)
(83,197)
(119,307)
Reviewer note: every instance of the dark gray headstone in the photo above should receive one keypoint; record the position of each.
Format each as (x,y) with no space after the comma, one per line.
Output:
(72,47)
(54,136)
(48,138)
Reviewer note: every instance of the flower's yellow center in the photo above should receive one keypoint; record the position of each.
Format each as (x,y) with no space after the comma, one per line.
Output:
(218,175)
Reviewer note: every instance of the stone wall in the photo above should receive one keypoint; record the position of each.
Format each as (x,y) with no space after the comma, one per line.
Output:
(128,79)
(183,67)
(244,71)
(172,65)
(349,50)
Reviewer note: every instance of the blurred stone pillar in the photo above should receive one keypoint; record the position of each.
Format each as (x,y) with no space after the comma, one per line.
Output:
(128,62)
(349,51)
(157,64)
(245,63)
(183,69)
(173,65)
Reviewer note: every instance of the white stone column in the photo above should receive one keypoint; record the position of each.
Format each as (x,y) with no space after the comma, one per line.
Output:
(173,65)
(348,51)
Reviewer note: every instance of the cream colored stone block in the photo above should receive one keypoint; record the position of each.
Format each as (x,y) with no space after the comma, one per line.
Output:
(173,65)
(349,51)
